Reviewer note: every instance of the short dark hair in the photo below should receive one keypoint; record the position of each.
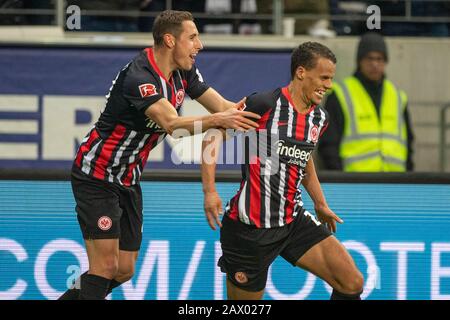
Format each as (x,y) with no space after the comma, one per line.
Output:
(169,21)
(306,56)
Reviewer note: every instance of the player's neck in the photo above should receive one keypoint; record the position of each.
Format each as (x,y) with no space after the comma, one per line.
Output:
(164,62)
(301,103)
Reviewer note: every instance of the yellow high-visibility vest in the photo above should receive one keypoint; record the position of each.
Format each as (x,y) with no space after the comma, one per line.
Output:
(372,143)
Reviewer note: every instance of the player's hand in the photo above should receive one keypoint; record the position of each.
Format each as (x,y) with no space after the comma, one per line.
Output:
(327,217)
(235,118)
(213,208)
(241,104)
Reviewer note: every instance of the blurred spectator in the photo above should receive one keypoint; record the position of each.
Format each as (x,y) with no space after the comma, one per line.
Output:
(218,26)
(418,9)
(27,19)
(11,19)
(189,5)
(227,26)
(392,8)
(316,27)
(312,27)
(247,26)
(194,6)
(109,23)
(349,7)
(145,23)
(369,128)
(40,19)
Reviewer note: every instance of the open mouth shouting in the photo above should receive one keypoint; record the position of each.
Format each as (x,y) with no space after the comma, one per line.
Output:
(192,56)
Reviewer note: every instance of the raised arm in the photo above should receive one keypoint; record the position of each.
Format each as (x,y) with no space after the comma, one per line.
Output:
(214,102)
(165,115)
(142,91)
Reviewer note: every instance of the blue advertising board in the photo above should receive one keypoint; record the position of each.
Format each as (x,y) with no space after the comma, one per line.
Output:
(398,235)
(51,97)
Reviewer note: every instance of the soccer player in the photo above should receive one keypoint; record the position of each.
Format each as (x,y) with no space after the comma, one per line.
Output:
(266,217)
(141,109)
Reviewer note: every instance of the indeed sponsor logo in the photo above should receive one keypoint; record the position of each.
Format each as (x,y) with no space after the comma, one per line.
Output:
(293,151)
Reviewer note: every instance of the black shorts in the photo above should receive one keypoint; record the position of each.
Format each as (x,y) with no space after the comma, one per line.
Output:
(107,210)
(247,251)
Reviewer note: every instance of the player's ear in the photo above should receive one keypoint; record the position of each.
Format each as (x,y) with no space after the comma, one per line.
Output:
(300,72)
(169,40)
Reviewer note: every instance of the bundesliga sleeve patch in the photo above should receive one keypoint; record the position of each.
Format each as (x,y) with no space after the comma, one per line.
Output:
(147,90)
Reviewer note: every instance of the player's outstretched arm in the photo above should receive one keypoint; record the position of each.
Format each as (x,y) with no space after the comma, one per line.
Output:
(165,115)
(214,102)
(312,185)
(210,151)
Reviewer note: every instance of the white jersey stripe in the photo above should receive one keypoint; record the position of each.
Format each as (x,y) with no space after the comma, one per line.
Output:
(138,173)
(267,192)
(276,118)
(85,139)
(164,87)
(227,207)
(119,154)
(290,119)
(322,120)
(241,205)
(87,136)
(311,125)
(281,193)
(132,158)
(181,80)
(133,175)
(87,159)
(298,198)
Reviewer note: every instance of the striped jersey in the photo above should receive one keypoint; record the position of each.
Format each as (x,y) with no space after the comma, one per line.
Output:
(275,160)
(117,147)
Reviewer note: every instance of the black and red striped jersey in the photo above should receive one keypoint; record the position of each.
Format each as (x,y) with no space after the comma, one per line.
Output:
(275,159)
(117,147)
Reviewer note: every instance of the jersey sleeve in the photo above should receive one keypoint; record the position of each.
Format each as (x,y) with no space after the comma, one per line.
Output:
(195,84)
(259,103)
(141,89)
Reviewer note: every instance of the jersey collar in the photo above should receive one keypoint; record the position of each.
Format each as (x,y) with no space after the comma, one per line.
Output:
(151,60)
(285,92)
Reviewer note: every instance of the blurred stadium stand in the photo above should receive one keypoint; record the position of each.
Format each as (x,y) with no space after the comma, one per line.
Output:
(346,17)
